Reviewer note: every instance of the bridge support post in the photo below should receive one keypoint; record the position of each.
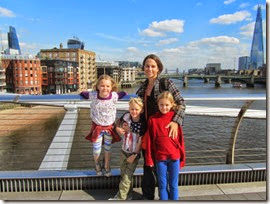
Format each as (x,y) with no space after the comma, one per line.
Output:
(185,81)
(251,82)
(218,81)
(230,154)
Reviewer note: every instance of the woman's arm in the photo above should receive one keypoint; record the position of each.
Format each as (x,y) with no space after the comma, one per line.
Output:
(179,100)
(179,113)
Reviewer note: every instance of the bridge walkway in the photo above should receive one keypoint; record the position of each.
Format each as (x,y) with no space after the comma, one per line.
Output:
(253,191)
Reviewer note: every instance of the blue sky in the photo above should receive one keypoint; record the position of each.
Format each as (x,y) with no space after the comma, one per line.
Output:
(184,34)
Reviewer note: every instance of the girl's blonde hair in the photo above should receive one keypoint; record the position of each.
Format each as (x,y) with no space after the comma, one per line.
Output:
(167,95)
(137,101)
(107,77)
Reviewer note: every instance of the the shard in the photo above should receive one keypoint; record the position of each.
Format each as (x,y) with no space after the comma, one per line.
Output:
(257,53)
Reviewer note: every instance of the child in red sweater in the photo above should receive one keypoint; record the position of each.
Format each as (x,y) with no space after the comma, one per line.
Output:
(166,153)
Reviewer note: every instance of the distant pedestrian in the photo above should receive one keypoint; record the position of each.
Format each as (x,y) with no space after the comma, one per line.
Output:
(103,115)
(149,91)
(131,126)
(167,152)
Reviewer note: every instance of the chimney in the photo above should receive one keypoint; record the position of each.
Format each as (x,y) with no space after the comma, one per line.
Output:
(61,46)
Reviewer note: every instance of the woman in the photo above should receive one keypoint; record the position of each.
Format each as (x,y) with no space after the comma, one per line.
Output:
(149,91)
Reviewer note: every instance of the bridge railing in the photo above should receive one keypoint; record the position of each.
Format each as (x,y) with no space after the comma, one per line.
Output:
(47,137)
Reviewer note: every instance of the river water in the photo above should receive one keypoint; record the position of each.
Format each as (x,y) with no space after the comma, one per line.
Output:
(207,138)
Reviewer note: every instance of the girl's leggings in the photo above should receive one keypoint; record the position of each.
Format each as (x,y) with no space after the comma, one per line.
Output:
(104,135)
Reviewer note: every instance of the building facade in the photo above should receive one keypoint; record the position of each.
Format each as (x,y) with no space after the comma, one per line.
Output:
(2,77)
(109,68)
(85,59)
(212,68)
(243,63)
(23,74)
(75,43)
(257,51)
(128,77)
(59,76)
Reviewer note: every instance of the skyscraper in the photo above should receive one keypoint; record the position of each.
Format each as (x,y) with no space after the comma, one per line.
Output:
(75,43)
(243,63)
(257,54)
(13,42)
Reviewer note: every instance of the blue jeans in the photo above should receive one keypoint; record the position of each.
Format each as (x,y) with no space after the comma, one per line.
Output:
(167,173)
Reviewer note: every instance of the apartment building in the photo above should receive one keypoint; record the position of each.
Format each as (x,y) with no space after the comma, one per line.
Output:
(86,62)
(22,73)
(59,76)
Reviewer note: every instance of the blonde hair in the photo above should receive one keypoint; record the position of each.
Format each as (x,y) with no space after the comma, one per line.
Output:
(167,95)
(107,77)
(137,101)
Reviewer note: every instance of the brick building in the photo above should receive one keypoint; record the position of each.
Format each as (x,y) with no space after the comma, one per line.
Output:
(22,73)
(86,62)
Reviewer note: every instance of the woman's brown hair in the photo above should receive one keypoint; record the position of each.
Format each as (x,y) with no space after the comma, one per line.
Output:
(156,59)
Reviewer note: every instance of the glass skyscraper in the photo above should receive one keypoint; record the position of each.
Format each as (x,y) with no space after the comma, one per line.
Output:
(257,54)
(13,42)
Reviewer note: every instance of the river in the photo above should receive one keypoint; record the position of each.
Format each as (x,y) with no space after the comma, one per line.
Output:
(207,138)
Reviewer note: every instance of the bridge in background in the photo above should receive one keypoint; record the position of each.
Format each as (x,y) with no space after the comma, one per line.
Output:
(219,79)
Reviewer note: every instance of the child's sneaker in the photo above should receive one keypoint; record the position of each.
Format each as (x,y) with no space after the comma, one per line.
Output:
(98,169)
(108,173)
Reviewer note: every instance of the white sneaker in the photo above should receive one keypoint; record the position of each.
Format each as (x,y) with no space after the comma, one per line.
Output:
(107,173)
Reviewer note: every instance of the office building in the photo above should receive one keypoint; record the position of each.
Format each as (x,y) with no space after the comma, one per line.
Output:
(75,43)
(257,52)
(13,42)
(243,63)
(109,68)
(212,68)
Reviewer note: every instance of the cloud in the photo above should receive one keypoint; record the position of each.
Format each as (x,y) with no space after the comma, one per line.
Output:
(110,37)
(196,54)
(256,7)
(215,41)
(6,13)
(244,5)
(132,49)
(151,33)
(248,29)
(158,29)
(167,41)
(228,2)
(231,18)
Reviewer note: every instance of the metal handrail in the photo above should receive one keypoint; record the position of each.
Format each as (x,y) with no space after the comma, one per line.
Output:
(73,102)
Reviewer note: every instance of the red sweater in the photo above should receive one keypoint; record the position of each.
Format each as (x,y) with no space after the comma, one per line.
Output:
(159,145)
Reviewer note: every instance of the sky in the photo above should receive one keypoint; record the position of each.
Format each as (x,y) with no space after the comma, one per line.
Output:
(184,34)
